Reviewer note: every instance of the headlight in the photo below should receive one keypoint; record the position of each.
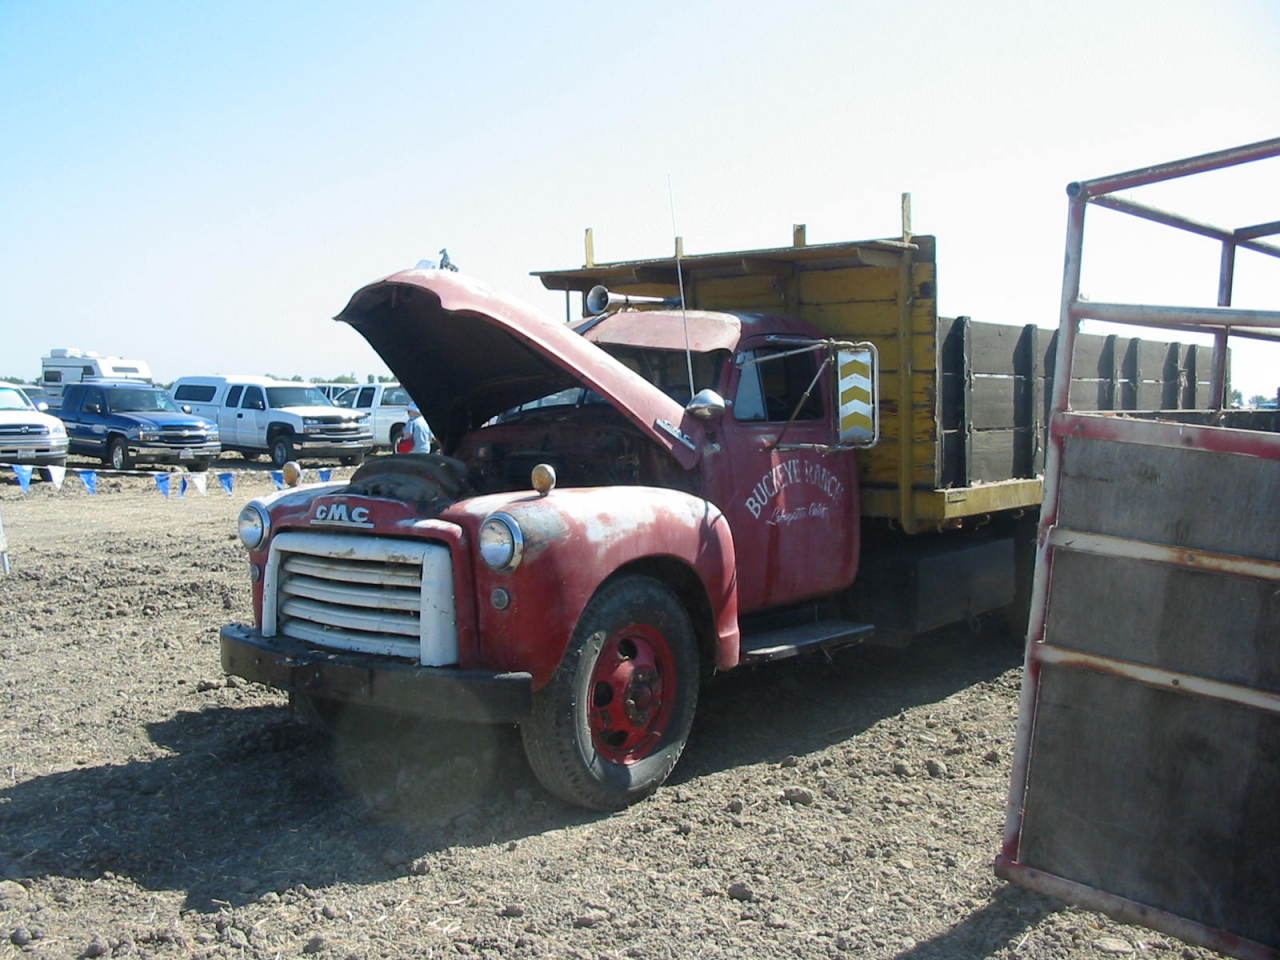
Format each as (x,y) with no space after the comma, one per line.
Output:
(253,525)
(148,434)
(501,542)
(57,430)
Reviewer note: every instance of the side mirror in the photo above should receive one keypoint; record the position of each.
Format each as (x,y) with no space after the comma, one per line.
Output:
(706,405)
(42,406)
(186,408)
(93,408)
(857,397)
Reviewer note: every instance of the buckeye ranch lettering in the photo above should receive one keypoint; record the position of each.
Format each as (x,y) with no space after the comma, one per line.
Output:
(786,474)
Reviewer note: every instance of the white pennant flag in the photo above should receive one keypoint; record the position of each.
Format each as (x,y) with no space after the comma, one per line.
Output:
(201,482)
(56,476)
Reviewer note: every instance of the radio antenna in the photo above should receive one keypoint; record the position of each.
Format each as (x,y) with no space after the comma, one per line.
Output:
(684,319)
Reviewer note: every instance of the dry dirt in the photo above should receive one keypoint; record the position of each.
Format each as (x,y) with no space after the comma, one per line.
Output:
(149,807)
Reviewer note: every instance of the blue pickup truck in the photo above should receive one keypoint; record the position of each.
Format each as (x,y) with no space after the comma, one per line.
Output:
(127,422)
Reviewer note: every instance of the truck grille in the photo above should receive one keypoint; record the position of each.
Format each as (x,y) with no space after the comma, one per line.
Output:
(181,435)
(367,594)
(23,430)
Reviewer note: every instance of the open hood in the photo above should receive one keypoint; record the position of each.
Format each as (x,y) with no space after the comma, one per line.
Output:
(466,354)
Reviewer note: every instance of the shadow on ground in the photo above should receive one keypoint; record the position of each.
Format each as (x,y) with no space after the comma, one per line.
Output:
(249,800)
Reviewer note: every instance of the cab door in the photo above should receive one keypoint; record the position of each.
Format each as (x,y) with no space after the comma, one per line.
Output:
(229,416)
(252,420)
(791,496)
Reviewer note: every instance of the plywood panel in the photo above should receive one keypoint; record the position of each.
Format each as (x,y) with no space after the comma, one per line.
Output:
(1191,621)
(1106,748)
(879,465)
(855,320)
(863,283)
(1225,503)
(993,455)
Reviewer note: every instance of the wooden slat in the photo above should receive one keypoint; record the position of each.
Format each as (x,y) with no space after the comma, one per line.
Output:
(993,455)
(863,283)
(861,320)
(880,465)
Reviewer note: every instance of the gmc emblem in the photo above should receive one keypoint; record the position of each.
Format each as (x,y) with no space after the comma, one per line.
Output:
(342,515)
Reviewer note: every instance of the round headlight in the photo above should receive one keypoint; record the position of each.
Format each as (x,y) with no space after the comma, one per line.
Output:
(501,542)
(253,525)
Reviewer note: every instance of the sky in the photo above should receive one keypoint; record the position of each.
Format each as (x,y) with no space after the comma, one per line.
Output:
(203,186)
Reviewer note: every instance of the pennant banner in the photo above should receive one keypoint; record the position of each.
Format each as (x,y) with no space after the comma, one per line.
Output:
(56,476)
(182,486)
(228,483)
(162,483)
(201,482)
(277,477)
(24,476)
(326,476)
(90,479)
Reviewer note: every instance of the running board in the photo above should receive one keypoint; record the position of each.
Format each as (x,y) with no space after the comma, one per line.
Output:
(805,638)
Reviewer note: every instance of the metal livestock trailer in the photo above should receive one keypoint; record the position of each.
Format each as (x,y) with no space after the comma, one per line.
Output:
(1147,769)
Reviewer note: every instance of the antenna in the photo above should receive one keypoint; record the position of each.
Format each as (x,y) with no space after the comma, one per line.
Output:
(684,319)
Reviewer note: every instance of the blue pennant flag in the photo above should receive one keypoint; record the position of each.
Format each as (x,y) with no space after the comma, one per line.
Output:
(228,484)
(182,486)
(89,478)
(162,483)
(277,477)
(24,475)
(326,476)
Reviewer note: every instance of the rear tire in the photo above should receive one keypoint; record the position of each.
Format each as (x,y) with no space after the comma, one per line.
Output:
(281,451)
(249,456)
(349,461)
(199,466)
(610,725)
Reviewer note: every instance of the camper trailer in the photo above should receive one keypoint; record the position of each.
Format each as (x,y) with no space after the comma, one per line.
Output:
(66,365)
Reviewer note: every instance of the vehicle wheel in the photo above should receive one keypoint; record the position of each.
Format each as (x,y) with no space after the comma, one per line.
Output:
(118,454)
(608,728)
(249,456)
(396,433)
(349,461)
(281,451)
(199,466)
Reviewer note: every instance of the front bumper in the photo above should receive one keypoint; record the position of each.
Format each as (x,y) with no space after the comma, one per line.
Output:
(315,447)
(149,452)
(33,448)
(441,693)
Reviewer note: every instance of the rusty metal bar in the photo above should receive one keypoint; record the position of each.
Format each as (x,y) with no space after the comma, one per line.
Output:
(1129,911)
(1226,273)
(1156,316)
(1165,218)
(1258,230)
(1107,546)
(1218,376)
(1165,433)
(1177,168)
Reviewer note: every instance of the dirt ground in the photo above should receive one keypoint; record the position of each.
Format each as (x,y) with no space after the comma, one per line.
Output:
(151,807)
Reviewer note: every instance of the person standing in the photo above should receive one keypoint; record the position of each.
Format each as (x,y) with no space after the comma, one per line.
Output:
(417,436)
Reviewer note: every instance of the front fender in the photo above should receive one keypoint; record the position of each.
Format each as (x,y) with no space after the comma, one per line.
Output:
(575,539)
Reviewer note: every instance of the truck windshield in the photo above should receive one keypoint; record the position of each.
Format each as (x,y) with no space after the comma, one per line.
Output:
(11,399)
(297,397)
(668,370)
(127,400)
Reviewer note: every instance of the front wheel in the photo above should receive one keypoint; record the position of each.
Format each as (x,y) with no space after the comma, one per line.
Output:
(608,728)
(118,454)
(349,461)
(281,451)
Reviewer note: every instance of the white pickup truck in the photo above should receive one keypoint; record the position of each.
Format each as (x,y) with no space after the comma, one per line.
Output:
(385,403)
(282,418)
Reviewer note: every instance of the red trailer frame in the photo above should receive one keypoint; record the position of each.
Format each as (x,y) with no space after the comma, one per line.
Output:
(1115,695)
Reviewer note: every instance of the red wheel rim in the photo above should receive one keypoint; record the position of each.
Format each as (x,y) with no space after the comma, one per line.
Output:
(632,693)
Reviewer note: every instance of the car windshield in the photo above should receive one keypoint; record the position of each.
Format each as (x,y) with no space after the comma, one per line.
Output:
(297,397)
(13,399)
(668,370)
(138,400)
(395,397)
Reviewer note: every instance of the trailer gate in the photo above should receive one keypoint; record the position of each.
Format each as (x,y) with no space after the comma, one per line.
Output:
(1146,779)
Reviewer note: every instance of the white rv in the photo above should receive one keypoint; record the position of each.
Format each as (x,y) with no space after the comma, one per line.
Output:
(66,365)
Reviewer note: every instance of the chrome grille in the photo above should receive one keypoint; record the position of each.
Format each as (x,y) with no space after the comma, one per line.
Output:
(362,593)
(23,430)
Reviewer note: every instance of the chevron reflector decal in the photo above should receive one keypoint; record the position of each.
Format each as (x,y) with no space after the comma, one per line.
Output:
(856,369)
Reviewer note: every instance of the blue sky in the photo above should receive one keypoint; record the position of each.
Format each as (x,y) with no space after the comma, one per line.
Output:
(204,186)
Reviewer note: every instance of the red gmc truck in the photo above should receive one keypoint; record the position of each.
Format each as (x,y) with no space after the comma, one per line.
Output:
(798,455)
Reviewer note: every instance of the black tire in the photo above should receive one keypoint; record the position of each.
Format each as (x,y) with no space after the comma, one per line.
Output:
(249,456)
(281,450)
(118,454)
(608,728)
(397,431)
(349,461)
(199,466)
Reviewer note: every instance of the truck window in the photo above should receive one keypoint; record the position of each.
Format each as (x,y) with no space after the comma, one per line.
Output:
(395,397)
(125,400)
(771,390)
(194,392)
(278,397)
(233,395)
(253,399)
(668,370)
(347,398)
(53,376)
(366,397)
